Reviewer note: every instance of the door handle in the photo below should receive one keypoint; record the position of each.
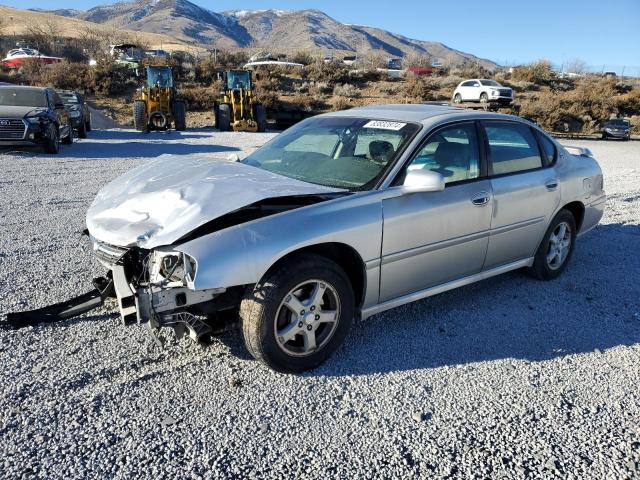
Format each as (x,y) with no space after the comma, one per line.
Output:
(551,185)
(480,198)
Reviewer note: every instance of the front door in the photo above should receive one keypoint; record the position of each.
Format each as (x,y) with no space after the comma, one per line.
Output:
(432,238)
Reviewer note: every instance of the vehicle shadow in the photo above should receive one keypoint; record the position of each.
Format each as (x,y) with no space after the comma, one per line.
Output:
(593,306)
(130,134)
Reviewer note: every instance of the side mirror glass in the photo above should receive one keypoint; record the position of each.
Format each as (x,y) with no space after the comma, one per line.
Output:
(418,181)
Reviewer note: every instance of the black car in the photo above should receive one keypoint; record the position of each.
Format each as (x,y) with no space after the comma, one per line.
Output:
(617,128)
(33,116)
(78,111)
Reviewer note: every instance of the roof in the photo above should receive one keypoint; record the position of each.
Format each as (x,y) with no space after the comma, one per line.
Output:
(23,87)
(400,112)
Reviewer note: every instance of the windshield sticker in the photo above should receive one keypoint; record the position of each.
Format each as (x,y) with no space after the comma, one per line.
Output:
(384,125)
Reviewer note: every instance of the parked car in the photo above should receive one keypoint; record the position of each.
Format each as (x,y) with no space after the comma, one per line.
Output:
(79,112)
(482,90)
(349,214)
(33,116)
(617,128)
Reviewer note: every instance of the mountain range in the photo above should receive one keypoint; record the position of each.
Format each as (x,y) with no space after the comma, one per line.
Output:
(269,29)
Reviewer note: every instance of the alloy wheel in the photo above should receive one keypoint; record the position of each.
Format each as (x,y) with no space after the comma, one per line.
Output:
(559,246)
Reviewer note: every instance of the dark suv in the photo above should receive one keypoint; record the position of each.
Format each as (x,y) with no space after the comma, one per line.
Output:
(33,116)
(78,112)
(617,128)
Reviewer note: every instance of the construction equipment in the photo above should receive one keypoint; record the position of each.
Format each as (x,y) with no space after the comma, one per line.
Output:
(156,105)
(238,109)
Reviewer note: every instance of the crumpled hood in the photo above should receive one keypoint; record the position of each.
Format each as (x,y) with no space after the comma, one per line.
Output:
(163,200)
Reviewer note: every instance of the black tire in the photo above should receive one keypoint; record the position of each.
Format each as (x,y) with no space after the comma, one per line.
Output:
(261,117)
(604,136)
(52,144)
(542,269)
(140,121)
(87,125)
(82,130)
(457,98)
(262,307)
(223,120)
(180,115)
(68,140)
(484,98)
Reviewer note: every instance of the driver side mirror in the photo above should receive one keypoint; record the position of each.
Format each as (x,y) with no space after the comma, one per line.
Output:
(420,181)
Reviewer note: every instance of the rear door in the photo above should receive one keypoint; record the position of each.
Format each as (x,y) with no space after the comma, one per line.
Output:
(526,191)
(432,238)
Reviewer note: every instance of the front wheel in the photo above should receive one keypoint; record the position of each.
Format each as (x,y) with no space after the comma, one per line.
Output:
(484,98)
(52,141)
(457,98)
(140,121)
(556,248)
(82,130)
(180,115)
(68,140)
(298,314)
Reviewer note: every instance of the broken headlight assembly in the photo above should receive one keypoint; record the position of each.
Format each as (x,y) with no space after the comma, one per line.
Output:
(171,269)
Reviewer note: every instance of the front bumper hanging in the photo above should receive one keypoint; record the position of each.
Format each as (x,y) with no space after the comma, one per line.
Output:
(63,310)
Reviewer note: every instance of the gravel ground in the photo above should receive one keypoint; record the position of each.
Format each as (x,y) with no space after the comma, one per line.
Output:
(508,378)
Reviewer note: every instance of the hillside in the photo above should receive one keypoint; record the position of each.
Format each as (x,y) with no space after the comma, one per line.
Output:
(66,26)
(268,29)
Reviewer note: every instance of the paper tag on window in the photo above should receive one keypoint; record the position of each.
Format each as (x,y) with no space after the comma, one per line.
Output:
(384,125)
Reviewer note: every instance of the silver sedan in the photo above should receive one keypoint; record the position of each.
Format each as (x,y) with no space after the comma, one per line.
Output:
(340,217)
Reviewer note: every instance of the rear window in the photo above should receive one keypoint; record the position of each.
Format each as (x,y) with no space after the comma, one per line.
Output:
(512,148)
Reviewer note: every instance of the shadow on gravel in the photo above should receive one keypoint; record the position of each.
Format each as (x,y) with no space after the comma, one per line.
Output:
(593,306)
(121,135)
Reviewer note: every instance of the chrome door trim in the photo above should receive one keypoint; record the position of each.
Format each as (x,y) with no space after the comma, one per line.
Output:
(429,292)
(515,226)
(393,257)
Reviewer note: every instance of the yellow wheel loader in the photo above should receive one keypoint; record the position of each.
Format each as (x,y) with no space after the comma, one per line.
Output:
(156,106)
(238,109)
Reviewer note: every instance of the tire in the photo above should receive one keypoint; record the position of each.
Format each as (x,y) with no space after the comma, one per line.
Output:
(543,268)
(140,121)
(484,98)
(52,144)
(180,116)
(457,98)
(68,140)
(267,310)
(261,117)
(223,120)
(604,136)
(88,125)
(82,130)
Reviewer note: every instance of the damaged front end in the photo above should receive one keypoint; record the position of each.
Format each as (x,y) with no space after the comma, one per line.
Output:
(156,287)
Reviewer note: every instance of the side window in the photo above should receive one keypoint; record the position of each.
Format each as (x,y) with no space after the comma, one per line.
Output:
(452,151)
(512,147)
(52,102)
(469,83)
(548,147)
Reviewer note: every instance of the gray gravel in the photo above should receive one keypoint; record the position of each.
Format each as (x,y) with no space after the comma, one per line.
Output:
(507,378)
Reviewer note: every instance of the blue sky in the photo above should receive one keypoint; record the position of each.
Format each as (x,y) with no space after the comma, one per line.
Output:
(602,33)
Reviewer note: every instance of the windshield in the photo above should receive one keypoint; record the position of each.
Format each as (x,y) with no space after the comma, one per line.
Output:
(489,83)
(237,80)
(69,98)
(339,152)
(619,123)
(159,77)
(15,97)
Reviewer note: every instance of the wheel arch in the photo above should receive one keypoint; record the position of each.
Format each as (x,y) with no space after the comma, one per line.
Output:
(342,254)
(577,210)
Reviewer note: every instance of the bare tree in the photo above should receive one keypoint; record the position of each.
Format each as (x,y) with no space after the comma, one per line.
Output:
(44,35)
(576,65)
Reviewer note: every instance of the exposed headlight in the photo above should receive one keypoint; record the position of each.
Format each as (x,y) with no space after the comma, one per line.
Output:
(74,114)
(494,92)
(33,120)
(171,268)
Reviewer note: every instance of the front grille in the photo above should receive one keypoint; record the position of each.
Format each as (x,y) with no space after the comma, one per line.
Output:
(12,129)
(109,254)
(505,93)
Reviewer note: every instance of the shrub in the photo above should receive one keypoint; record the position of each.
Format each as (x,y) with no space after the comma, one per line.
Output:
(420,88)
(331,73)
(200,98)
(111,78)
(301,56)
(347,90)
(69,76)
(539,72)
(342,104)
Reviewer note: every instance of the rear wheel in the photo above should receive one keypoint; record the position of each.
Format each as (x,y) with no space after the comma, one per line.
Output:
(298,314)
(82,130)
(180,115)
(556,248)
(140,115)
(223,119)
(261,117)
(52,143)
